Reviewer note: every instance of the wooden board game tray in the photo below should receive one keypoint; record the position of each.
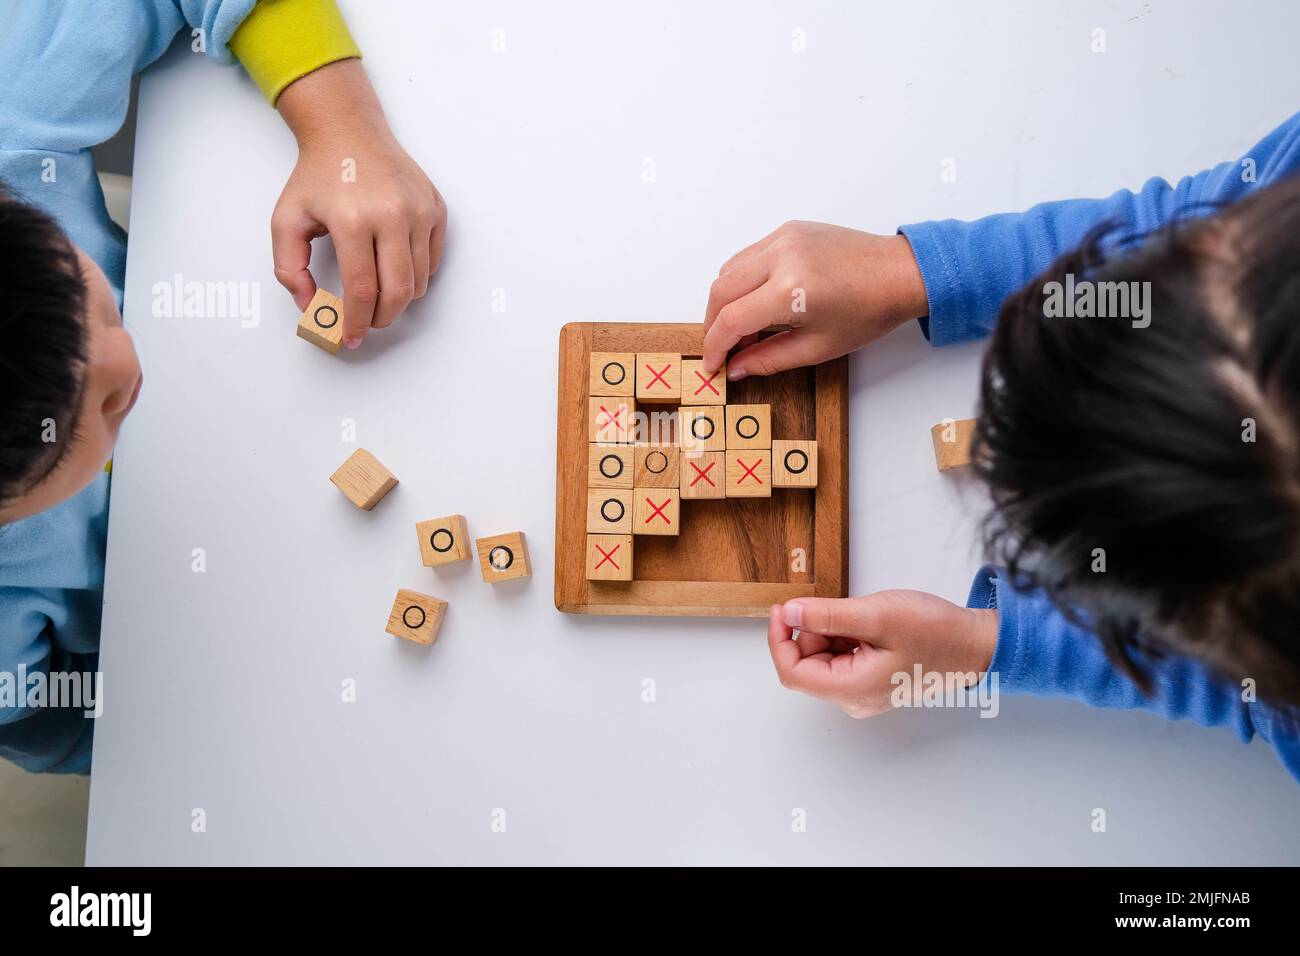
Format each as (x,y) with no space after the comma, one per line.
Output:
(734,557)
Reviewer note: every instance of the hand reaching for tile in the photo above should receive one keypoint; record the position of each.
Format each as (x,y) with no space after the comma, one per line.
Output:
(832,290)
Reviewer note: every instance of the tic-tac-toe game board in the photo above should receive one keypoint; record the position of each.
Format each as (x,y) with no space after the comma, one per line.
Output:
(679,493)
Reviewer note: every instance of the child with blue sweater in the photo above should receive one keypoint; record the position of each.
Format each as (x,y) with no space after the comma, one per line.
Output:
(69,374)
(1144,467)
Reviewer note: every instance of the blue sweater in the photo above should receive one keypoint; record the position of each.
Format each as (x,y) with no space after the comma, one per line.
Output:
(67,70)
(969,268)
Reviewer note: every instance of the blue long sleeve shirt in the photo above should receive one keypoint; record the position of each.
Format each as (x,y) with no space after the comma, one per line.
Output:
(67,69)
(969,269)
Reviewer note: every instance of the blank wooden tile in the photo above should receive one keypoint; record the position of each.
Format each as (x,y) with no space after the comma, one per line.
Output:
(609,511)
(363,479)
(749,426)
(443,540)
(610,466)
(702,427)
(656,511)
(701,389)
(656,466)
(502,557)
(703,475)
(655,425)
(609,557)
(416,617)
(609,419)
(612,373)
(952,440)
(749,472)
(658,377)
(322,322)
(794,464)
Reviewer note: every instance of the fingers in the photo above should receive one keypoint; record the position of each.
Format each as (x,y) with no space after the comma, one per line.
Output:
(811,674)
(437,241)
(396,275)
(291,236)
(439,237)
(356,252)
(745,316)
(426,246)
(780,641)
(860,618)
(776,353)
(730,286)
(420,249)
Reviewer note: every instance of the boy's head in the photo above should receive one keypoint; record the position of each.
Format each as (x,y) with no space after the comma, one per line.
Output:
(68,370)
(1145,470)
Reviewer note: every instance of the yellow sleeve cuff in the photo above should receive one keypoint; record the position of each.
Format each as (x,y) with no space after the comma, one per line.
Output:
(283,40)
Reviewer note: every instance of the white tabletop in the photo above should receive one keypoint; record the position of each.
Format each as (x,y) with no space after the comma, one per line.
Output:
(223,688)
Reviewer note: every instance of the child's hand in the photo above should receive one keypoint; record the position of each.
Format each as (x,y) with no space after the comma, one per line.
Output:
(849,649)
(354,181)
(834,289)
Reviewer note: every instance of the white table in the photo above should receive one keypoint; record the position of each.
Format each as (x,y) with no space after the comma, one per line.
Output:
(223,688)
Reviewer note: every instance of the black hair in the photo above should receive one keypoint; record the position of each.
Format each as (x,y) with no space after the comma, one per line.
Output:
(42,345)
(1148,477)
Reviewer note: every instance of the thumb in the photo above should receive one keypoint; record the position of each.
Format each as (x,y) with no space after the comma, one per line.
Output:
(777,353)
(859,618)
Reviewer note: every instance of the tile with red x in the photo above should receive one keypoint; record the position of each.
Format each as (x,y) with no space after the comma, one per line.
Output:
(658,377)
(610,419)
(703,475)
(699,388)
(609,557)
(749,473)
(656,511)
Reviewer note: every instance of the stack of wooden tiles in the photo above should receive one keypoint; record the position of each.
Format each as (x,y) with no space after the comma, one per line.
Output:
(660,432)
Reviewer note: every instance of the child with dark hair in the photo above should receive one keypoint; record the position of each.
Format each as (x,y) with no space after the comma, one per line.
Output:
(69,374)
(1139,431)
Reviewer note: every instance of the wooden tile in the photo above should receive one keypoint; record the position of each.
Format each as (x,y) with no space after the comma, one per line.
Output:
(609,557)
(749,426)
(416,617)
(656,511)
(609,420)
(610,466)
(363,479)
(609,511)
(702,427)
(443,540)
(322,322)
(656,466)
(952,440)
(703,475)
(794,464)
(701,389)
(612,373)
(658,377)
(502,557)
(749,472)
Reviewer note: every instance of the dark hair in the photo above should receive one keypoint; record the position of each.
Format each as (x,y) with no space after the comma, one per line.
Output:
(42,345)
(1174,448)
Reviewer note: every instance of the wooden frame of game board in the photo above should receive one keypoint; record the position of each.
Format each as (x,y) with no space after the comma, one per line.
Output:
(735,557)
